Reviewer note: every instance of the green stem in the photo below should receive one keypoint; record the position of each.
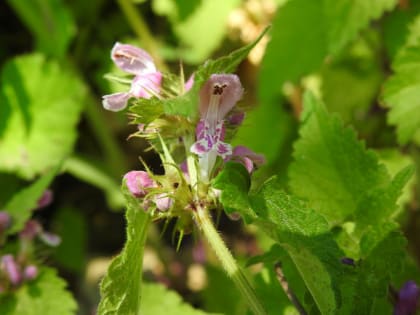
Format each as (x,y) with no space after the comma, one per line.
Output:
(142,31)
(229,264)
(111,150)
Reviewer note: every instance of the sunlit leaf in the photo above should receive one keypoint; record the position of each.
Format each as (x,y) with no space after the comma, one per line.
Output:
(41,102)
(46,295)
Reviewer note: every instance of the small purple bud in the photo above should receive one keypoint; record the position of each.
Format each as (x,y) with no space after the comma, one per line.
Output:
(137,182)
(163,202)
(32,228)
(12,269)
(5,221)
(236,119)
(408,298)
(50,239)
(348,261)
(46,199)
(30,272)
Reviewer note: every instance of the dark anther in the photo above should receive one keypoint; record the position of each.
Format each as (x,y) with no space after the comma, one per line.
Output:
(176,185)
(218,89)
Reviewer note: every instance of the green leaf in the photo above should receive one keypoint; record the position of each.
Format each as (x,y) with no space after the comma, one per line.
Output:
(332,169)
(121,287)
(401,91)
(186,104)
(234,182)
(49,21)
(208,19)
(45,295)
(380,263)
(332,25)
(157,299)
(305,235)
(41,105)
(22,204)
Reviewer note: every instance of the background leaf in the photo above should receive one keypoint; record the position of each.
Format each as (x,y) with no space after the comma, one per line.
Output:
(50,22)
(401,91)
(159,300)
(45,295)
(21,206)
(41,105)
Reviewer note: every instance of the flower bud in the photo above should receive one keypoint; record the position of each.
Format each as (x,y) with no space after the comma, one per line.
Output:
(137,182)
(11,268)
(163,202)
(31,230)
(30,272)
(408,298)
(46,199)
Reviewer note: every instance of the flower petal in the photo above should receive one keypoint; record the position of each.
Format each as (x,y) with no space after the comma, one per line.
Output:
(223,149)
(137,182)
(190,82)
(115,102)
(201,146)
(227,87)
(146,85)
(132,59)
(243,151)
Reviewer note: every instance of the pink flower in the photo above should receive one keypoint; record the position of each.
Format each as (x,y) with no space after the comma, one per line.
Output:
(145,84)
(246,157)
(217,97)
(137,183)
(11,268)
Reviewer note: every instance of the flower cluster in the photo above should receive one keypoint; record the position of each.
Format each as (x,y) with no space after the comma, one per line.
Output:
(188,172)
(18,267)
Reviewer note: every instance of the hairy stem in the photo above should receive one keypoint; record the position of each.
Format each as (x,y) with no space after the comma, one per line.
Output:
(228,262)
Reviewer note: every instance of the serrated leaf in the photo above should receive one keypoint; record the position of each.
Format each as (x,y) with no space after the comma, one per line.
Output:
(333,24)
(187,104)
(234,183)
(50,22)
(332,169)
(121,287)
(41,102)
(374,273)
(305,235)
(22,204)
(45,295)
(157,299)
(401,91)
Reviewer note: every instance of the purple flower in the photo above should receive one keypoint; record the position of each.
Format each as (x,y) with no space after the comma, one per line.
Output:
(30,272)
(246,157)
(11,268)
(137,182)
(217,97)
(145,84)
(46,199)
(31,229)
(407,299)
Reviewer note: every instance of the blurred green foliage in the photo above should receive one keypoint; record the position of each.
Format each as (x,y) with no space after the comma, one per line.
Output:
(341,167)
